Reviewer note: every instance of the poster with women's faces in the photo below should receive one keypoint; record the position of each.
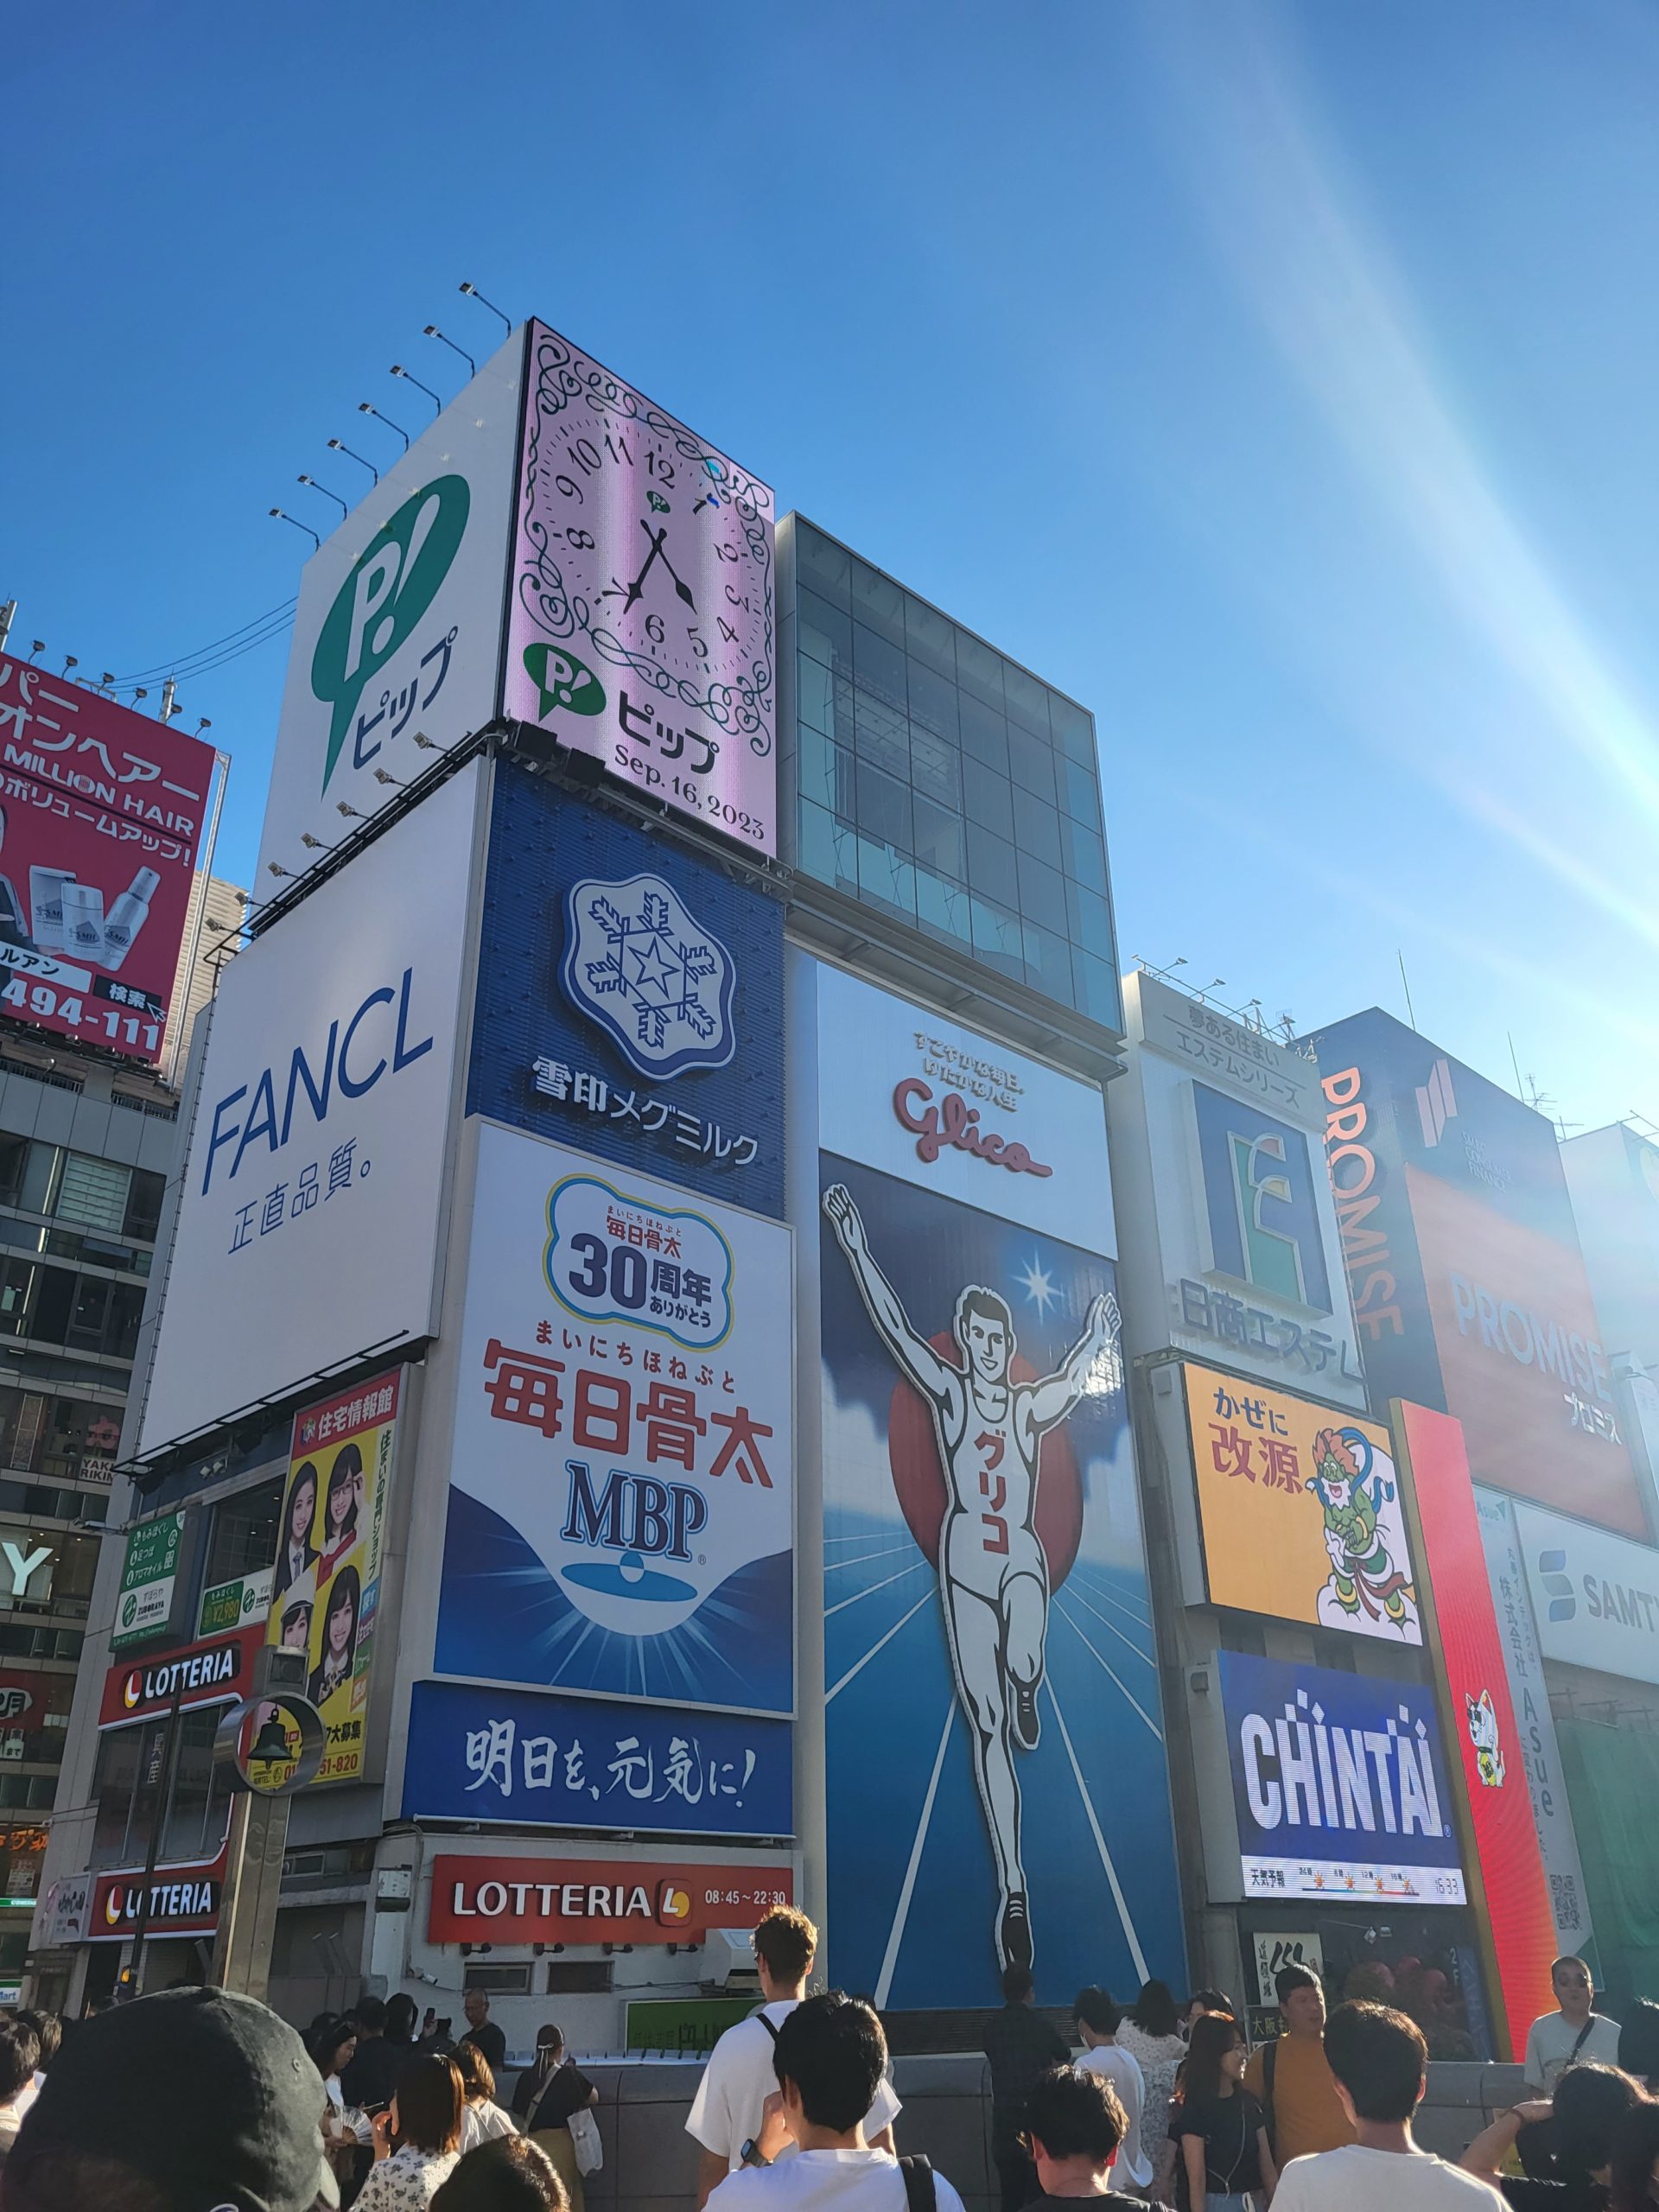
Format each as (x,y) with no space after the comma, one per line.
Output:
(325,1584)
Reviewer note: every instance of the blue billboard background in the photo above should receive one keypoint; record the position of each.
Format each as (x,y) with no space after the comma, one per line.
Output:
(913,1896)
(630,998)
(523,1756)
(1382,1797)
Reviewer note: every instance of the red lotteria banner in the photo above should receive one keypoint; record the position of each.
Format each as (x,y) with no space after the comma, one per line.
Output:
(101,815)
(1474,1683)
(490,1900)
(183,1901)
(213,1672)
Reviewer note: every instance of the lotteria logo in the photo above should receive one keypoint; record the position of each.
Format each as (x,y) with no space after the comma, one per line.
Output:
(673,1905)
(638,963)
(1260,1196)
(132,1690)
(394,581)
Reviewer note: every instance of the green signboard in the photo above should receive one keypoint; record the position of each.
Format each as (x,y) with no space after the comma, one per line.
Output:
(689,2025)
(148,1575)
(234,1604)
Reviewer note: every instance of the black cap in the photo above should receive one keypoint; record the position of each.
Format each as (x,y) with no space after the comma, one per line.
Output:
(207,2095)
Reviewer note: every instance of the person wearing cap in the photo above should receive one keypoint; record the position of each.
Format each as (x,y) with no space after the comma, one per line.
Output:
(108,2128)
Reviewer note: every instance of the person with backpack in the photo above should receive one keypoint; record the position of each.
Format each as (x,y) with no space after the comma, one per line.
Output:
(736,2117)
(1292,2079)
(830,2058)
(1574,2035)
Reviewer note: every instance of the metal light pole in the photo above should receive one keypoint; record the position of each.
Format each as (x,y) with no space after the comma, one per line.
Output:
(258,1829)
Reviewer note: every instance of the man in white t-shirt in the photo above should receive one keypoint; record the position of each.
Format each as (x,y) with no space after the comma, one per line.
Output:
(830,2060)
(1577,2035)
(737,2109)
(1097,2019)
(1380,2063)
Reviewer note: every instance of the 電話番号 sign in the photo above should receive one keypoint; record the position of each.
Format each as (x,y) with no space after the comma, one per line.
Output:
(489,1900)
(101,813)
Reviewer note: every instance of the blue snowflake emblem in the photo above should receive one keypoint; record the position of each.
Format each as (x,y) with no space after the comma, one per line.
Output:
(638,962)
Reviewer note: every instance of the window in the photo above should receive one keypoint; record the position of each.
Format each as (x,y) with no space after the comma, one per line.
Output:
(94,1192)
(244,1531)
(78,1186)
(127,1785)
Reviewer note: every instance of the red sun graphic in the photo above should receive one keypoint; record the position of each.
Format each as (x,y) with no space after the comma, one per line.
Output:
(919,1473)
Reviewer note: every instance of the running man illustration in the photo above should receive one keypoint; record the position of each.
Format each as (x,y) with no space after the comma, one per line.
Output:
(994,1585)
(1360,1515)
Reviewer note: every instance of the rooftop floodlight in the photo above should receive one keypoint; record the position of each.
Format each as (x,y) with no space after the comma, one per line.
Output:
(280,517)
(368,407)
(432,330)
(473,293)
(397,369)
(336,445)
(312,482)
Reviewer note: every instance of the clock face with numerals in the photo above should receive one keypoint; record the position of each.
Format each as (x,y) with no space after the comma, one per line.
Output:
(643,627)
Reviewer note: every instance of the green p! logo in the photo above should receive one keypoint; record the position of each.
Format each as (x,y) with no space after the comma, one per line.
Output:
(562,681)
(395,581)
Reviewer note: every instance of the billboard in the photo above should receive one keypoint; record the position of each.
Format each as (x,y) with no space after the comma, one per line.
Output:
(630,998)
(1227,1209)
(312,1200)
(621,1508)
(183,1901)
(1469,1666)
(150,1573)
(1465,1265)
(1300,1509)
(1595,1596)
(523,1756)
(398,629)
(489,1900)
(215,1671)
(325,1592)
(994,1740)
(1339,1785)
(1523,1664)
(641,626)
(101,816)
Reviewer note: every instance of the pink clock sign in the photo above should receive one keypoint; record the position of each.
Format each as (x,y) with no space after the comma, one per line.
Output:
(642,626)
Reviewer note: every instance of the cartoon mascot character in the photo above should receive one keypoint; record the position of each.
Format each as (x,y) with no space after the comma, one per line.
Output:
(1355,1497)
(1483,1734)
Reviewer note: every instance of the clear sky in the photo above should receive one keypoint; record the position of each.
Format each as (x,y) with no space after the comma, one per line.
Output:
(1277,379)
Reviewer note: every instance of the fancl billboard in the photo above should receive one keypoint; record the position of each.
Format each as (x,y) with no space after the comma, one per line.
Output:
(309,1221)
(1463,1260)
(991,1679)
(630,998)
(1224,1205)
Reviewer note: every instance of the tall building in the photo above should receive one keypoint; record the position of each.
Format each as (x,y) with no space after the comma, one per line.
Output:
(215,917)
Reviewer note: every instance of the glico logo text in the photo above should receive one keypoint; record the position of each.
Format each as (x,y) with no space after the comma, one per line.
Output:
(954,1124)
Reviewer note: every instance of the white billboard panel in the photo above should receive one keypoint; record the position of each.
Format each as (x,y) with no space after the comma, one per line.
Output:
(919,1097)
(1595,1596)
(307,1226)
(399,623)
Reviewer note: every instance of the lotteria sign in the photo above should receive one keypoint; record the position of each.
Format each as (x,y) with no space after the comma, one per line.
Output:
(489,1900)
(183,1901)
(213,1672)
(1340,1784)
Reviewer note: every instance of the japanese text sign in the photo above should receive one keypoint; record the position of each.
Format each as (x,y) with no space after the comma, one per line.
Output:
(641,627)
(1339,1785)
(621,1504)
(629,998)
(397,635)
(523,1756)
(325,1584)
(1469,1653)
(148,1576)
(486,1900)
(308,1220)
(101,816)
(1300,1509)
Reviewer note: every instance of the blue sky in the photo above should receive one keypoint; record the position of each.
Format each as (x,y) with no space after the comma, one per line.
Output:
(1277,379)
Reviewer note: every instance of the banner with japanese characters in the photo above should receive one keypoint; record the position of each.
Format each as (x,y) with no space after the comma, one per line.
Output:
(629,998)
(1300,1509)
(530,1757)
(311,1206)
(101,816)
(326,1578)
(621,1498)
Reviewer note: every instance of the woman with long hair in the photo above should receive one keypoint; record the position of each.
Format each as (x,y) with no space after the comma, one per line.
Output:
(1225,2164)
(333,2044)
(340,1510)
(1151,2032)
(482,2119)
(341,1604)
(297,1555)
(561,2090)
(423,2120)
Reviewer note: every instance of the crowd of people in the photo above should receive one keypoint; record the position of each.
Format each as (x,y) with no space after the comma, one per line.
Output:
(199,2100)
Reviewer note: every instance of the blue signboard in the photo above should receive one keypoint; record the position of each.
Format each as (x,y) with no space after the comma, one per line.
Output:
(1260,1199)
(630,998)
(525,1756)
(1340,1785)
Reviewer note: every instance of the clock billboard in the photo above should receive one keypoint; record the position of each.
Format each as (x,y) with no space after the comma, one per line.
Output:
(640,627)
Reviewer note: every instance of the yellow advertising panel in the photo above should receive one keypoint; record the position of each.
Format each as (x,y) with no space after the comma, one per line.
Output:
(1300,1509)
(326,1586)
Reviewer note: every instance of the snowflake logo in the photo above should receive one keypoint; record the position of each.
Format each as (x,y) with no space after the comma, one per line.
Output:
(638,962)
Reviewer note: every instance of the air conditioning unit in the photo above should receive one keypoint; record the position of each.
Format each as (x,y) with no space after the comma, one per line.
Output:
(728,1962)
